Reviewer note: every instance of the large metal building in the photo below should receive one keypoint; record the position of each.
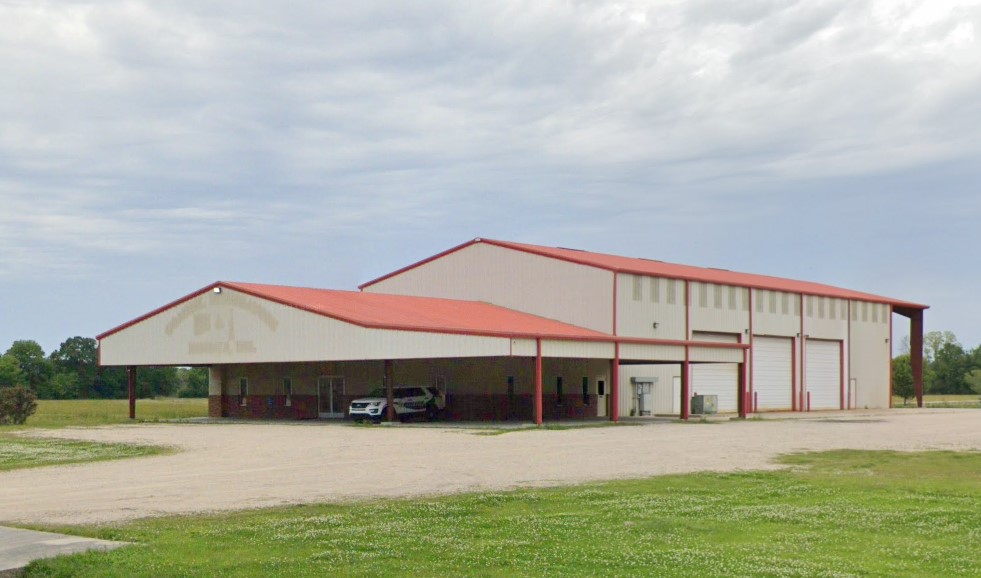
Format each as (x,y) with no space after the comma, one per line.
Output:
(525,332)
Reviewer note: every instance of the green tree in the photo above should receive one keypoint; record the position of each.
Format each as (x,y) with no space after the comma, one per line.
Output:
(79,355)
(902,378)
(973,379)
(60,386)
(193,382)
(934,341)
(156,381)
(11,375)
(30,356)
(949,366)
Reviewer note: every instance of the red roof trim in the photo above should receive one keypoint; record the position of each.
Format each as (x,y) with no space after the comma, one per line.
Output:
(158,310)
(587,335)
(421,263)
(754,281)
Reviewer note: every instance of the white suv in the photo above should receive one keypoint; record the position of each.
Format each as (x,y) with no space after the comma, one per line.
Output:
(408,401)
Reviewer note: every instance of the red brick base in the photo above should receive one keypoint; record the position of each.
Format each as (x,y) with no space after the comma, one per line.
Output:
(497,407)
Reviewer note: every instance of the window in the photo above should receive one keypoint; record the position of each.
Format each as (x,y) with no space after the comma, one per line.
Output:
(585,390)
(810,306)
(797,299)
(703,294)
(717,290)
(732,298)
(760,297)
(638,287)
(243,390)
(832,308)
(785,303)
(655,290)
(865,310)
(672,298)
(773,301)
(821,301)
(601,387)
(558,390)
(288,390)
(746,293)
(854,311)
(875,313)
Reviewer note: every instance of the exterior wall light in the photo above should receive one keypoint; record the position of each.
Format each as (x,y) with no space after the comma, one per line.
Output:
(655,324)
(217,289)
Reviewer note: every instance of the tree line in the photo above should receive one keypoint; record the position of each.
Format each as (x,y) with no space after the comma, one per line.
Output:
(948,368)
(72,372)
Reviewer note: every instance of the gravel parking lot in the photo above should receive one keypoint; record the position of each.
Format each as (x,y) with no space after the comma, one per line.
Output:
(234,465)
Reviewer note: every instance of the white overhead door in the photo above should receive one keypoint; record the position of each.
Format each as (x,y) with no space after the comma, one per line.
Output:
(721,379)
(773,373)
(822,373)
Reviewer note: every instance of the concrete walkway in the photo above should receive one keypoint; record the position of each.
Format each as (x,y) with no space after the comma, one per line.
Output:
(19,547)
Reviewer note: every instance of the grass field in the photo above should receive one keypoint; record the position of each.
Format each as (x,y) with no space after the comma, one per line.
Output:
(971,400)
(845,513)
(22,452)
(92,412)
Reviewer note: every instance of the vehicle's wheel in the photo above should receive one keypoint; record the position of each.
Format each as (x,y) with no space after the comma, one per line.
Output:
(431,412)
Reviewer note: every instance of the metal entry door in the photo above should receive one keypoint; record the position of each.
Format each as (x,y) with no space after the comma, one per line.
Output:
(330,392)
(602,390)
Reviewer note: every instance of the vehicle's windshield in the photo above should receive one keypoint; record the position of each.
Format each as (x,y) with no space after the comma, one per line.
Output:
(378,392)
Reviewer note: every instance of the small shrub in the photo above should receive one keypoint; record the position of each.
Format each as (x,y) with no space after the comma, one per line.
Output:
(16,405)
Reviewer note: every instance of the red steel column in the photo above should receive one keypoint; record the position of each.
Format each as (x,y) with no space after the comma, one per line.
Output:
(916,353)
(131,379)
(685,397)
(615,384)
(743,397)
(538,382)
(389,392)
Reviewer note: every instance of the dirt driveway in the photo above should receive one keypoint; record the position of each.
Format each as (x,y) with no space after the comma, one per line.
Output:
(235,466)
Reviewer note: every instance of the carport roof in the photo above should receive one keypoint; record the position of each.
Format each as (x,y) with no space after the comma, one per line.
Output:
(399,312)
(641,266)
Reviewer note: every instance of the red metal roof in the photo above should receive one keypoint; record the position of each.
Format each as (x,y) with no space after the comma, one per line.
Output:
(398,312)
(640,266)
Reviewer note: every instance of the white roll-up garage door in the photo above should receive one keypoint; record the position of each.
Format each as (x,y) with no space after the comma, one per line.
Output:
(822,373)
(773,373)
(721,379)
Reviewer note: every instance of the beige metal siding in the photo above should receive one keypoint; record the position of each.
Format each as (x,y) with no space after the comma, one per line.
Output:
(666,392)
(643,301)
(719,379)
(640,352)
(784,319)
(214,380)
(568,292)
(715,353)
(577,349)
(773,373)
(713,310)
(827,318)
(822,374)
(232,327)
(869,350)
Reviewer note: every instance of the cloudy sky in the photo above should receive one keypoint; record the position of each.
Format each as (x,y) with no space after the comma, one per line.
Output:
(150,148)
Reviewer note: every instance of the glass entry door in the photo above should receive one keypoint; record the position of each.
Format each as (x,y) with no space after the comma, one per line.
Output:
(330,390)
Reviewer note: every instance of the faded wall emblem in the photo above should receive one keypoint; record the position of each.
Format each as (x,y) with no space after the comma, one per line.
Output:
(222,323)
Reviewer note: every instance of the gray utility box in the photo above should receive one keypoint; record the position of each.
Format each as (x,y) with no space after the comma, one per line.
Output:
(704,404)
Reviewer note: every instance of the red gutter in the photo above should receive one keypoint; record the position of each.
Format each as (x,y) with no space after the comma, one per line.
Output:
(615,393)
(841,369)
(793,374)
(749,366)
(803,346)
(686,366)
(852,394)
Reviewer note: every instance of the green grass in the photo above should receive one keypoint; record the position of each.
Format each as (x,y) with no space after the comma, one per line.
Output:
(964,400)
(846,513)
(24,452)
(93,412)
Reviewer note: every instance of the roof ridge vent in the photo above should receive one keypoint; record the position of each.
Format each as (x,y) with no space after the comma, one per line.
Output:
(652,260)
(571,249)
(719,269)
